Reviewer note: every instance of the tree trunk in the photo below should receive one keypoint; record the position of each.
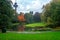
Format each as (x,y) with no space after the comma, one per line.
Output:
(3,29)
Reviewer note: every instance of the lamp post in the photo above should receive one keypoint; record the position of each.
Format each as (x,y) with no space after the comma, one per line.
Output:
(15,5)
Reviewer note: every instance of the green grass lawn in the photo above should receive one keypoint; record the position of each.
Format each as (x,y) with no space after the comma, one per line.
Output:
(35,24)
(38,36)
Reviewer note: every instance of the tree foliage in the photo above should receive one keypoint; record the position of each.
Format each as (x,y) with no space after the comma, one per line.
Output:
(37,17)
(6,13)
(52,13)
(29,18)
(21,17)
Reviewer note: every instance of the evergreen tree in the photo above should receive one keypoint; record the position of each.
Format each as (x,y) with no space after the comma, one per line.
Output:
(5,14)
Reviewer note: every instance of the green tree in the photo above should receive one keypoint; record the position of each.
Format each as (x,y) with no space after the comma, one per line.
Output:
(37,17)
(52,13)
(5,14)
(29,18)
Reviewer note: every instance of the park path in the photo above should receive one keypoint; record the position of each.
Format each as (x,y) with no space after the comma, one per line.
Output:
(29,32)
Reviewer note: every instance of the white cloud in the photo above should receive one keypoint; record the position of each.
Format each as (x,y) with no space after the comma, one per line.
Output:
(13,1)
(21,7)
(30,5)
(36,4)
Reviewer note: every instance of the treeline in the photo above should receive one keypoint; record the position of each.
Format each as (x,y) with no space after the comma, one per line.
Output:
(29,17)
(32,18)
(51,14)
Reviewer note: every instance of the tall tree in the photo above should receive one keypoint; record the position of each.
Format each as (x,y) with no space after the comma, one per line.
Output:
(52,13)
(5,14)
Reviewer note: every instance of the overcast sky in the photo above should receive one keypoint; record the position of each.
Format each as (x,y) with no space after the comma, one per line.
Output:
(30,5)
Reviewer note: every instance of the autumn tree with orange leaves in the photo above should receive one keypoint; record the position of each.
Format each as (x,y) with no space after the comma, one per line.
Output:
(21,17)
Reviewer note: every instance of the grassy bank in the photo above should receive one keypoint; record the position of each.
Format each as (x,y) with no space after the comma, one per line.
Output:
(36,24)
